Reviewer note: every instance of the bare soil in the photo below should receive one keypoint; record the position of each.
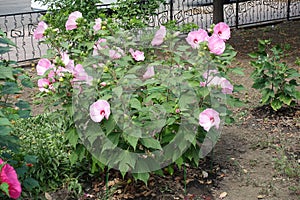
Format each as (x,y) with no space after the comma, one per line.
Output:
(257,157)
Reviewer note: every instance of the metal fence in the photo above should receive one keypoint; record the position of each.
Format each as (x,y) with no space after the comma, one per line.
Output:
(237,13)
(19,27)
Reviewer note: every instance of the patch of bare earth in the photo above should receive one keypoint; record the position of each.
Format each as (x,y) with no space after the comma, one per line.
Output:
(261,152)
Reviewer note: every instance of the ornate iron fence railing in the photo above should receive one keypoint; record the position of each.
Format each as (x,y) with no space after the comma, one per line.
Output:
(237,13)
(19,28)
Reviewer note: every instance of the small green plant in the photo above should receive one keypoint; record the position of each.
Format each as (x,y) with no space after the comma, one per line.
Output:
(276,81)
(287,164)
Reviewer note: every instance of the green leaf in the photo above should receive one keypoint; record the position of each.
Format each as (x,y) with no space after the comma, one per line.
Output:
(151,143)
(4,50)
(30,159)
(132,141)
(4,187)
(179,162)
(30,183)
(73,158)
(109,125)
(27,83)
(276,104)
(238,71)
(135,103)
(297,94)
(253,55)
(23,104)
(204,91)
(10,88)
(142,176)
(285,99)
(6,41)
(72,137)
(118,91)
(4,131)
(267,95)
(6,72)
(4,122)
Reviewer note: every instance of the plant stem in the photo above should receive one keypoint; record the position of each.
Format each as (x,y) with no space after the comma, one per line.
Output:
(106,184)
(184,177)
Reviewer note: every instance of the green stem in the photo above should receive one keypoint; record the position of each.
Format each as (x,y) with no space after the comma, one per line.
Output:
(106,184)
(184,177)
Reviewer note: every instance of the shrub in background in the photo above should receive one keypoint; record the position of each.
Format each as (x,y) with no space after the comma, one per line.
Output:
(276,81)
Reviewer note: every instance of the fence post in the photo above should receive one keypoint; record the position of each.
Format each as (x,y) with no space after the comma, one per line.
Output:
(288,9)
(237,14)
(171,9)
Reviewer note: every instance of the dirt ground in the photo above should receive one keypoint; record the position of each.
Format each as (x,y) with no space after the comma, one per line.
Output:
(262,148)
(258,157)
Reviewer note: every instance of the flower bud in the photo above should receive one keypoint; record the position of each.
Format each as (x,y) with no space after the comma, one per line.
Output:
(103,84)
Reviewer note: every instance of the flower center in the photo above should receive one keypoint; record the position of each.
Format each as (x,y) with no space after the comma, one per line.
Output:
(195,41)
(220,33)
(212,119)
(102,112)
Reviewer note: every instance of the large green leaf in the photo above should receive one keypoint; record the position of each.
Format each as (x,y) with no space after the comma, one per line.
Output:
(276,104)
(132,141)
(10,88)
(6,72)
(142,176)
(4,122)
(286,99)
(151,143)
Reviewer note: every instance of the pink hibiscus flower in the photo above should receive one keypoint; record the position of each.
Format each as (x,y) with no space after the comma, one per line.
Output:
(45,85)
(216,45)
(8,175)
(222,30)
(159,36)
(99,45)
(99,110)
(195,37)
(43,65)
(226,86)
(137,55)
(149,73)
(80,75)
(40,30)
(209,118)
(71,22)
(116,54)
(97,25)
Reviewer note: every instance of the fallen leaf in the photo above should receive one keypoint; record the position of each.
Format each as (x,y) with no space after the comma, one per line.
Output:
(204,174)
(48,196)
(223,195)
(261,196)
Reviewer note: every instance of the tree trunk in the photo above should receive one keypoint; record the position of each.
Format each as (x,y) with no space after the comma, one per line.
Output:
(218,14)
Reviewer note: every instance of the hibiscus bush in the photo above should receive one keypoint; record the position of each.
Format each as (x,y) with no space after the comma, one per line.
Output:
(138,100)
